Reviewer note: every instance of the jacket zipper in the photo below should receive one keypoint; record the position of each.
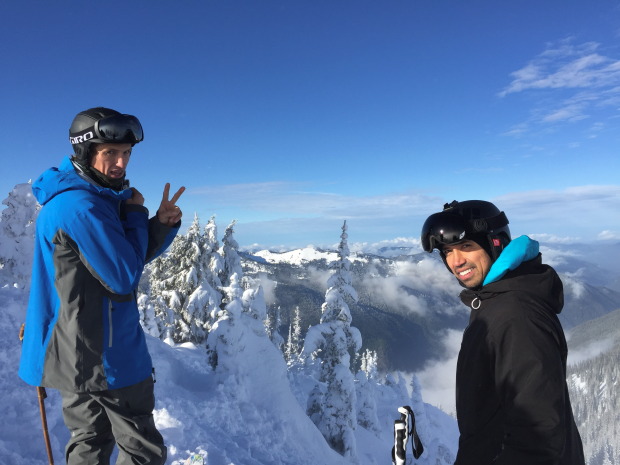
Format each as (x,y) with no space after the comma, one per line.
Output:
(109,323)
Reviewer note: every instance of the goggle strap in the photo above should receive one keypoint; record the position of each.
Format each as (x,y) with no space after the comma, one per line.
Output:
(83,136)
(489,224)
(497,221)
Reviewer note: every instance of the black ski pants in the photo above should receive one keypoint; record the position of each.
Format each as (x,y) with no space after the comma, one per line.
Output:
(99,420)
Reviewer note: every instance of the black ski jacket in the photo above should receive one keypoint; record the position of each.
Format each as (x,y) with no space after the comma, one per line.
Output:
(511,395)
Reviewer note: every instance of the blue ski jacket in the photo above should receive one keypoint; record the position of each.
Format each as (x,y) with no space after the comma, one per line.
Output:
(82,330)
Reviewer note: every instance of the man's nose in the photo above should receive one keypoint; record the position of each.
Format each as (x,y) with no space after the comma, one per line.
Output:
(457,258)
(121,162)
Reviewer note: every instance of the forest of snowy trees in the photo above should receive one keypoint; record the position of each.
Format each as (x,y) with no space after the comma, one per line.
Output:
(593,387)
(197,293)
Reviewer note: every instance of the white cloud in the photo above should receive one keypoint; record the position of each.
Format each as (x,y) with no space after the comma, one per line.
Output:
(288,199)
(269,288)
(573,288)
(570,112)
(318,278)
(557,257)
(553,239)
(590,351)
(423,276)
(278,213)
(608,235)
(573,205)
(566,65)
(438,378)
(398,242)
(583,79)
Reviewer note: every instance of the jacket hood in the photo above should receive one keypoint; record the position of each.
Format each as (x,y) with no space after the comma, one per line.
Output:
(65,178)
(516,252)
(519,273)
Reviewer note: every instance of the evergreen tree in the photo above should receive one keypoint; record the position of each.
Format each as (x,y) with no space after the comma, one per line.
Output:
(253,300)
(243,307)
(294,342)
(207,295)
(333,341)
(148,319)
(156,292)
(214,259)
(369,362)
(187,267)
(273,322)
(596,403)
(182,296)
(226,335)
(17,236)
(231,262)
(365,382)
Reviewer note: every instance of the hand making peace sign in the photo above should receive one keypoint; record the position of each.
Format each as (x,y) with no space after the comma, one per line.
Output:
(168,213)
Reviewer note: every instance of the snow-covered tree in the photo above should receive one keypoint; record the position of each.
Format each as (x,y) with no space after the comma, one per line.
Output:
(293,343)
(334,341)
(369,362)
(366,404)
(365,389)
(214,259)
(229,252)
(17,236)
(225,337)
(253,300)
(243,307)
(182,296)
(595,399)
(207,296)
(148,319)
(154,295)
(273,322)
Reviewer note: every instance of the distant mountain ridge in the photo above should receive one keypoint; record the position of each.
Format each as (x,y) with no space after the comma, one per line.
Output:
(407,299)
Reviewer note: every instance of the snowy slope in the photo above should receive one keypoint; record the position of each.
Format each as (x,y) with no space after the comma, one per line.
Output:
(246,416)
(248,410)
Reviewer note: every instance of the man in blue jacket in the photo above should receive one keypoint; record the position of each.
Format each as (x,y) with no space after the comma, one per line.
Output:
(82,333)
(512,400)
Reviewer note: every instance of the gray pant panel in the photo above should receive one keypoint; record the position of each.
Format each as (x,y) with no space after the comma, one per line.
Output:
(98,420)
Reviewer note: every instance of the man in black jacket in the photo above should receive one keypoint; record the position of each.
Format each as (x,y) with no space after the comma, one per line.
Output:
(512,400)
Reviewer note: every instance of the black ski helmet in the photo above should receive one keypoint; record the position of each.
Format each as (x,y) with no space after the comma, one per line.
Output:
(100,125)
(475,220)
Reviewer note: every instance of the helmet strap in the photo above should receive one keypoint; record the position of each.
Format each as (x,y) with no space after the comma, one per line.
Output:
(98,177)
(116,184)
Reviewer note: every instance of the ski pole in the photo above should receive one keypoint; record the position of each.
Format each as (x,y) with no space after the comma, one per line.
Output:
(41,394)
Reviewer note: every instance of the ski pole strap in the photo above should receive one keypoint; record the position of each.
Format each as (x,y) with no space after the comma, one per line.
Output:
(416,444)
(403,429)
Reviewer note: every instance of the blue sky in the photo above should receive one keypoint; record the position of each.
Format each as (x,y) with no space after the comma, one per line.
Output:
(292,116)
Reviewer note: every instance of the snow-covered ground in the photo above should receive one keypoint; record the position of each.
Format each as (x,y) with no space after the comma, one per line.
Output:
(247,414)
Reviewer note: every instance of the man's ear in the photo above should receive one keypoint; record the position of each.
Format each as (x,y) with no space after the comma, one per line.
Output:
(92,151)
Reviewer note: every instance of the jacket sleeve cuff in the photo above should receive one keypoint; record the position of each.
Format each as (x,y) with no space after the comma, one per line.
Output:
(134,207)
